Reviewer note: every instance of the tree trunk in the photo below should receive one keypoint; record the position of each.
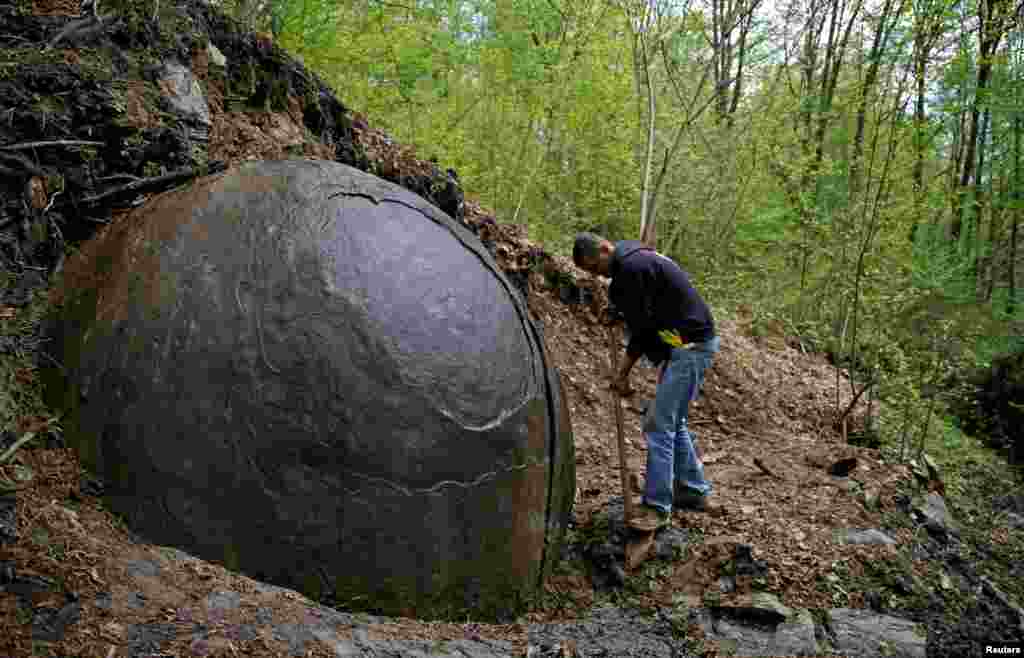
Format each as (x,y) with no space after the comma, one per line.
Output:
(990,31)
(878,45)
(981,198)
(1018,196)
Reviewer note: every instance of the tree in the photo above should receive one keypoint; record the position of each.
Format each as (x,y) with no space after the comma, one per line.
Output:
(993,18)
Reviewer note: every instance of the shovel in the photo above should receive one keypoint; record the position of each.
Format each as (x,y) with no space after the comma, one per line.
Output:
(638,546)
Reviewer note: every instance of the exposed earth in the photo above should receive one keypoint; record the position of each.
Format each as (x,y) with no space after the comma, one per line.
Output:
(826,548)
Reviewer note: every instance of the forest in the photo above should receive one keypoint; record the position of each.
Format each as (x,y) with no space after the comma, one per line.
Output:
(848,171)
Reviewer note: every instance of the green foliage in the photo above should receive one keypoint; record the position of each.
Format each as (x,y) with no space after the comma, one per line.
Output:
(538,106)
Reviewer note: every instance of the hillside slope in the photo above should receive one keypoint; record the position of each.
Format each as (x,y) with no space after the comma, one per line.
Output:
(153,106)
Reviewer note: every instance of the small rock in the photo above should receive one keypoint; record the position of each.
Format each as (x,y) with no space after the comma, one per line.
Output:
(843,467)
(144,568)
(768,601)
(903,585)
(1015,520)
(617,574)
(861,633)
(795,637)
(217,58)
(223,600)
(50,625)
(935,514)
(670,543)
(746,565)
(870,536)
(726,584)
(185,96)
(8,520)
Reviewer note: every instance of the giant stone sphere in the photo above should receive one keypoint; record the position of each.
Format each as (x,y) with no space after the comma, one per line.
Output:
(317,378)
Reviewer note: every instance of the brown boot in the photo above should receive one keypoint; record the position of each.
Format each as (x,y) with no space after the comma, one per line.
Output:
(694,502)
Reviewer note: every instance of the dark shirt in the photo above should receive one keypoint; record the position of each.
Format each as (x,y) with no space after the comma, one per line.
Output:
(653,294)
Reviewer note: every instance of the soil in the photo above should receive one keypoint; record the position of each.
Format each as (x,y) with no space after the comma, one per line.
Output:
(78,578)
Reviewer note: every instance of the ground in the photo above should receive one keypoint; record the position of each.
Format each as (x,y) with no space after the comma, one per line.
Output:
(765,424)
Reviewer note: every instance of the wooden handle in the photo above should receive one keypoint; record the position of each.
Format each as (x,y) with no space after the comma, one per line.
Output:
(627,497)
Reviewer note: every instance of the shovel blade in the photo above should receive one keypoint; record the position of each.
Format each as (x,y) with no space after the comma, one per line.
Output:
(638,549)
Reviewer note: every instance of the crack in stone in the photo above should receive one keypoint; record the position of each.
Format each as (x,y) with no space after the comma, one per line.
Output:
(436,489)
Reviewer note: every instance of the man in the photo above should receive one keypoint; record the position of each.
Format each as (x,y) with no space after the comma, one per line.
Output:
(668,322)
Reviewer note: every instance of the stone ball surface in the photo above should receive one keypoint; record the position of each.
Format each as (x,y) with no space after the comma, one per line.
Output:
(316,378)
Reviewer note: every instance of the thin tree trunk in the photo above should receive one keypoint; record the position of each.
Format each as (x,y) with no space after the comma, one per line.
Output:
(879,44)
(648,233)
(981,199)
(990,27)
(1018,193)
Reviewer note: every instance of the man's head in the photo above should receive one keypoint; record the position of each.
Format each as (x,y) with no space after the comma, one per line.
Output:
(593,253)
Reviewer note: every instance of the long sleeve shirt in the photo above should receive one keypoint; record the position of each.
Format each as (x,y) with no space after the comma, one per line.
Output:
(654,294)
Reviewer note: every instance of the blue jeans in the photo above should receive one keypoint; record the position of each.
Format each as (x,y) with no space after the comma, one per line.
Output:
(670,452)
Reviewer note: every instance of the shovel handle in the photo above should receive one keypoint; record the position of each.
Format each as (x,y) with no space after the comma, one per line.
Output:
(627,498)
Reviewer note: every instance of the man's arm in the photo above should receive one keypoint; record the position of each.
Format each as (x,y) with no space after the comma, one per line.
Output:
(636,301)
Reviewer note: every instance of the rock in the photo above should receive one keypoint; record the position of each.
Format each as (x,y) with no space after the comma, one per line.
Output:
(768,601)
(361,645)
(670,543)
(7,573)
(874,600)
(746,565)
(217,58)
(1010,502)
(795,637)
(935,515)
(609,631)
(50,624)
(904,584)
(8,520)
(843,467)
(222,600)
(990,588)
(1014,520)
(760,631)
(185,96)
(291,368)
(869,536)
(862,633)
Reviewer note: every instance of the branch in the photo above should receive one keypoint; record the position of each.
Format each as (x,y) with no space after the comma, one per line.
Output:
(853,402)
(24,163)
(59,142)
(154,184)
(767,471)
(83,27)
